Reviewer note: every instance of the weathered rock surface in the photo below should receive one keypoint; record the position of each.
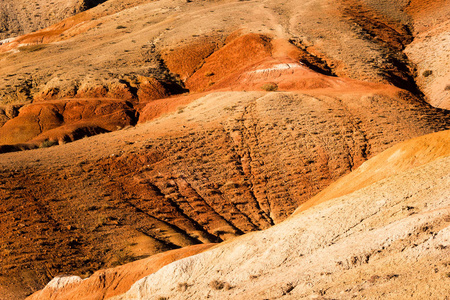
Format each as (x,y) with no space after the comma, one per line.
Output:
(279,48)
(430,52)
(362,40)
(401,157)
(65,121)
(393,244)
(390,239)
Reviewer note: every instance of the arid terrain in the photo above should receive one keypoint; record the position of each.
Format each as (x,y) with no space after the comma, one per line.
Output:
(224,149)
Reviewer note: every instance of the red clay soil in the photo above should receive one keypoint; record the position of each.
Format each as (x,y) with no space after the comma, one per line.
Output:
(71,26)
(157,108)
(230,60)
(255,62)
(185,60)
(150,89)
(50,34)
(137,88)
(248,62)
(419,8)
(108,283)
(64,120)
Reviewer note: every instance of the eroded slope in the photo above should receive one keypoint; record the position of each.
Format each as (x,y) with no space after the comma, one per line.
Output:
(20,17)
(388,240)
(225,164)
(209,166)
(170,40)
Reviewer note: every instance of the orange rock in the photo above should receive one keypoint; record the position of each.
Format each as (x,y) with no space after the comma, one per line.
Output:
(150,89)
(107,283)
(233,58)
(61,120)
(401,157)
(185,60)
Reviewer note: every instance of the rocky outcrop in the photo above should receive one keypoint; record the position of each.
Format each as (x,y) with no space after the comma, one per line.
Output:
(135,88)
(387,239)
(65,121)
(429,52)
(404,156)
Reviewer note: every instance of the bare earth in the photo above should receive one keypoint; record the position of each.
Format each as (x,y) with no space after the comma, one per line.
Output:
(306,140)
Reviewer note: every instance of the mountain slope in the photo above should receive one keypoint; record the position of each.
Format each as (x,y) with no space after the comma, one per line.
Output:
(394,243)
(401,157)
(211,119)
(20,17)
(389,239)
(219,166)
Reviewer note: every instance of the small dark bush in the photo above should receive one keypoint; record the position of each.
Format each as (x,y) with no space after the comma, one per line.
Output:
(220,285)
(47,143)
(31,48)
(270,87)
(427,73)
(182,286)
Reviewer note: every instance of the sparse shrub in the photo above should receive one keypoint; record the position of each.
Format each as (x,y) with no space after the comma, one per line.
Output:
(92,208)
(181,109)
(390,276)
(47,143)
(182,287)
(270,87)
(209,74)
(227,286)
(447,88)
(217,285)
(101,221)
(120,27)
(122,257)
(427,73)
(31,48)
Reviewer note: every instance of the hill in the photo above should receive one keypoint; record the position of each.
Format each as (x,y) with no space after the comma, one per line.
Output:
(389,239)
(131,128)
